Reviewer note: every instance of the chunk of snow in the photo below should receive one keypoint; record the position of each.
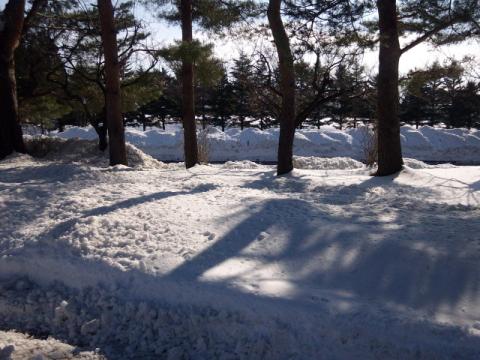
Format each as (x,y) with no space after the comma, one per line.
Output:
(313,162)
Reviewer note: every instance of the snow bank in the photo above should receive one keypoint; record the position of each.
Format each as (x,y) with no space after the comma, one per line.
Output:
(426,143)
(120,328)
(129,329)
(76,150)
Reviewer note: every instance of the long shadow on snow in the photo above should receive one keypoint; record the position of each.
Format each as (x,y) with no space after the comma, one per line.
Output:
(174,299)
(345,252)
(417,259)
(57,230)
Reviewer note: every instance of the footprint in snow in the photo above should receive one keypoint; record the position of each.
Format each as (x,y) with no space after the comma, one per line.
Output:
(262,236)
(209,235)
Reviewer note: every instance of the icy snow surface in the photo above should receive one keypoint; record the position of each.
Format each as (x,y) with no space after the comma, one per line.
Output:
(231,262)
(426,143)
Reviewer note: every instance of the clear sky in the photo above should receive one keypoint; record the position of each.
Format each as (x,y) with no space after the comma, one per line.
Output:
(416,58)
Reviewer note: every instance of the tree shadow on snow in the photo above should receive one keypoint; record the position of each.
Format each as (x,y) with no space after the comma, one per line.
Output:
(413,255)
(419,256)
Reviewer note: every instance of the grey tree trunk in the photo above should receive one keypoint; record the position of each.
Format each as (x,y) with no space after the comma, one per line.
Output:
(287,86)
(11,137)
(114,118)
(389,146)
(188,98)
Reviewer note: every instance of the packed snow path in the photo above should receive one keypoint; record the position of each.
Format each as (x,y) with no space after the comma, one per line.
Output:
(233,262)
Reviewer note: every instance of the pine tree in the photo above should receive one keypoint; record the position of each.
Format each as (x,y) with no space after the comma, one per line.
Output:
(343,104)
(465,109)
(113,105)
(441,21)
(223,101)
(242,85)
(188,99)
(212,15)
(79,42)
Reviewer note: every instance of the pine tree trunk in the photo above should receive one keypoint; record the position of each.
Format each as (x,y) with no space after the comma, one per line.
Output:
(287,86)
(11,138)
(389,146)
(116,131)
(188,99)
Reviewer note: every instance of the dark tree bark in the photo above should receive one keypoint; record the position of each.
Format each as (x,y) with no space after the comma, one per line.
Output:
(287,86)
(114,118)
(11,137)
(389,146)
(99,123)
(144,121)
(188,99)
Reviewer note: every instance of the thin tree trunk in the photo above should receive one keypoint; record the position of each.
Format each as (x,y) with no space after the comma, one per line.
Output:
(389,146)
(11,137)
(116,131)
(287,85)
(188,99)
(144,122)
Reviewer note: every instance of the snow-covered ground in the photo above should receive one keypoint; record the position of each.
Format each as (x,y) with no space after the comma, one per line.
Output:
(426,143)
(231,262)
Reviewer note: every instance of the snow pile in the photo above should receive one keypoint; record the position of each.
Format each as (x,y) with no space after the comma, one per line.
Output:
(245,164)
(417,164)
(120,328)
(128,329)
(75,150)
(312,162)
(15,158)
(425,143)
(14,345)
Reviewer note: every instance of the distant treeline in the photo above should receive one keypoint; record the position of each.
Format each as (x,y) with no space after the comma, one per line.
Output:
(245,94)
(82,62)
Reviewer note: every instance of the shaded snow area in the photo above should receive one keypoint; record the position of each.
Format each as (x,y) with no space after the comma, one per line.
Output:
(426,143)
(231,262)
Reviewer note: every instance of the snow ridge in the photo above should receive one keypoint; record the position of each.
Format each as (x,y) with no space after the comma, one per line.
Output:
(425,143)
